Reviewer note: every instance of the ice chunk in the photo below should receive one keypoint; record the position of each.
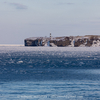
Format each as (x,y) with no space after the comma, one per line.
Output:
(19,62)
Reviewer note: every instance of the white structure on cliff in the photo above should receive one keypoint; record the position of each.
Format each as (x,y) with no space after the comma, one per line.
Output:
(50,36)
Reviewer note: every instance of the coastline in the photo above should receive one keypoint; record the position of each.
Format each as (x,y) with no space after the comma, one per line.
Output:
(65,41)
(11,44)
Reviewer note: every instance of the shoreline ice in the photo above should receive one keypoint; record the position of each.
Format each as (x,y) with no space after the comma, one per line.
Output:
(11,45)
(15,48)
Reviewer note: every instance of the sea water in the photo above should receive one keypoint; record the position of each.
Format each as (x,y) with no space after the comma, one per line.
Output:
(44,73)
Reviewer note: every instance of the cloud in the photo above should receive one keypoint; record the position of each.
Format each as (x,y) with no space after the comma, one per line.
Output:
(66,3)
(19,6)
(70,3)
(5,2)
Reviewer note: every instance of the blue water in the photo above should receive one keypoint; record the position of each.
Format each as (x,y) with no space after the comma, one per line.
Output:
(44,73)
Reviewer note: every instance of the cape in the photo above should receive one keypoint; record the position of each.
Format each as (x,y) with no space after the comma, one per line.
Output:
(65,41)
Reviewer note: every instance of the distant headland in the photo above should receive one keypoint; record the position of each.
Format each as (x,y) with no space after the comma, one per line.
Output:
(65,41)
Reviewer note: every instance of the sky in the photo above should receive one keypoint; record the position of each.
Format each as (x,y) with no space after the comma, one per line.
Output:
(21,19)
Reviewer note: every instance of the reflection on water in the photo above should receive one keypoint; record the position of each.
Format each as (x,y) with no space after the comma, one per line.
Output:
(49,73)
(57,90)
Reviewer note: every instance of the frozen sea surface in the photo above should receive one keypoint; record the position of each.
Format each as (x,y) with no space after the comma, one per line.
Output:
(49,73)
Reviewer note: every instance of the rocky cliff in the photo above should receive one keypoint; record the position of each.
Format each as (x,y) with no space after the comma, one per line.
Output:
(72,41)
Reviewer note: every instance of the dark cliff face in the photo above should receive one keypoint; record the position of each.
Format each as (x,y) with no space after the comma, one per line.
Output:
(28,42)
(36,42)
(79,42)
(39,41)
(89,43)
(63,41)
(91,39)
(86,41)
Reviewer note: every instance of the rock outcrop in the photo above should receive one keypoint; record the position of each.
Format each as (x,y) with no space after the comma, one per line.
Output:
(37,41)
(61,41)
(72,41)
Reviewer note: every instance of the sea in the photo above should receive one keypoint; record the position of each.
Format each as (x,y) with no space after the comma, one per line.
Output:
(49,73)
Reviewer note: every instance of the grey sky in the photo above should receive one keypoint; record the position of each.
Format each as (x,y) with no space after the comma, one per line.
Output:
(20,19)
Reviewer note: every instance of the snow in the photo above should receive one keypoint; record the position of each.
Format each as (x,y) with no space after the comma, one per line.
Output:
(31,38)
(96,43)
(53,45)
(47,44)
(72,43)
(63,39)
